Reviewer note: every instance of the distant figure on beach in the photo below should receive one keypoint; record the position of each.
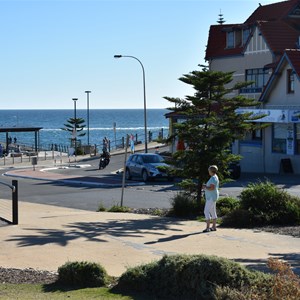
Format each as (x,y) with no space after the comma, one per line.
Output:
(9,140)
(1,150)
(131,143)
(15,140)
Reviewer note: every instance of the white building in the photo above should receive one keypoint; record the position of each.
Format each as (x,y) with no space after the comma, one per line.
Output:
(265,49)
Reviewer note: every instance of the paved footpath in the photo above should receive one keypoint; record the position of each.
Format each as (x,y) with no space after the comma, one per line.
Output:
(48,236)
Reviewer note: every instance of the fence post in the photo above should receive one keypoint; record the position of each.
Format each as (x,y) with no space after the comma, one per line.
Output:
(15,216)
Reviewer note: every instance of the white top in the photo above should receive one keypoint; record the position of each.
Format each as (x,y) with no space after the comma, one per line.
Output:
(212,195)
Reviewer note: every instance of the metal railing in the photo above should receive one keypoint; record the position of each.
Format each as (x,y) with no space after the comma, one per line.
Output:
(56,152)
(139,139)
(14,217)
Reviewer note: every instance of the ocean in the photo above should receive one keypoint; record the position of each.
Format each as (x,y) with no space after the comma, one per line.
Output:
(115,124)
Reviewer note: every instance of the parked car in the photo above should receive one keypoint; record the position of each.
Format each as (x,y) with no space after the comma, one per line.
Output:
(147,166)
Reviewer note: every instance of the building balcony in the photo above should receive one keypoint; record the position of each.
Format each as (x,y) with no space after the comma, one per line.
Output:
(254,90)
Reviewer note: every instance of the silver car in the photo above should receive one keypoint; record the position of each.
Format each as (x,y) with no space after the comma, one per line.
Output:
(147,166)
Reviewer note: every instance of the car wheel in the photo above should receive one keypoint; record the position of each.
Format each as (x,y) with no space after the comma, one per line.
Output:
(145,176)
(127,174)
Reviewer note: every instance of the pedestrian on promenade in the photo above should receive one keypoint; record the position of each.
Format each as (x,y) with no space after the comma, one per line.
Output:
(211,189)
(1,150)
(132,143)
(105,144)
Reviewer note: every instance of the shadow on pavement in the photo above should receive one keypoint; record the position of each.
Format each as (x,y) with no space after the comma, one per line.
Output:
(96,231)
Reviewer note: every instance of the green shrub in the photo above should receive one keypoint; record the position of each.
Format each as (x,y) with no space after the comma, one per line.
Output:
(184,205)
(101,207)
(239,218)
(82,274)
(118,208)
(270,205)
(188,277)
(292,214)
(227,204)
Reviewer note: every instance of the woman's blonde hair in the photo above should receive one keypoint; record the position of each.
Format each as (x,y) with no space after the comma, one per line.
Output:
(213,168)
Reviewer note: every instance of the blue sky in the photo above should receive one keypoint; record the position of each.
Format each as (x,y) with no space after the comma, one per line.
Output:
(52,51)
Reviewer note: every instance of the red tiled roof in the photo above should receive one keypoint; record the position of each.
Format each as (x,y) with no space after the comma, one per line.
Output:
(272,11)
(279,31)
(279,35)
(216,45)
(294,59)
(291,56)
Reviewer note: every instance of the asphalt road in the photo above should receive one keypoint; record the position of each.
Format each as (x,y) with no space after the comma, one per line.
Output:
(156,194)
(151,195)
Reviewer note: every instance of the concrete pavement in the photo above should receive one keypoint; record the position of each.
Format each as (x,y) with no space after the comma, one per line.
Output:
(48,236)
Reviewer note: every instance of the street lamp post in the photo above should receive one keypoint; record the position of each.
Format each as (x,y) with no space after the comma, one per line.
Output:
(144,86)
(88,116)
(75,123)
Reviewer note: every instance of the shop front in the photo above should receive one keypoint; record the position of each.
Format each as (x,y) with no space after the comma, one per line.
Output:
(276,146)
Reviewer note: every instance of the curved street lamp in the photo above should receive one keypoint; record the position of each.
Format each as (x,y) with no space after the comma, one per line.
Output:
(144,85)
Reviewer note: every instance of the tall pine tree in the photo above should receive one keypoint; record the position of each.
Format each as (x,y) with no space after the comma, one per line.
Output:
(211,126)
(73,124)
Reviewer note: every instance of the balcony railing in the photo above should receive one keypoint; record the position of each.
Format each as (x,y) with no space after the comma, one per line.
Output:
(251,90)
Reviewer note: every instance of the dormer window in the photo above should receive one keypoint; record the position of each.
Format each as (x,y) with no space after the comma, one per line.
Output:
(230,39)
(290,81)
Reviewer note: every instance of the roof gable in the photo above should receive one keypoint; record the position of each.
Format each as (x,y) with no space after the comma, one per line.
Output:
(279,24)
(274,11)
(279,35)
(290,57)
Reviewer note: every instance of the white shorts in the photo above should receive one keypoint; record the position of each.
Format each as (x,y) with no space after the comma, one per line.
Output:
(210,210)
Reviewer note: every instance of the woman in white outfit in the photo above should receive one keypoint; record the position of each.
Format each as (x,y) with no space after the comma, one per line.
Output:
(211,189)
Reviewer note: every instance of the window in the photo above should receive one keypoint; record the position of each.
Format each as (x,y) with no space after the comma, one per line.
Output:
(279,138)
(230,39)
(259,77)
(290,81)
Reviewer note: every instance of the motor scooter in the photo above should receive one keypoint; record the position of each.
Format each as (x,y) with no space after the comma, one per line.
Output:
(104,160)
